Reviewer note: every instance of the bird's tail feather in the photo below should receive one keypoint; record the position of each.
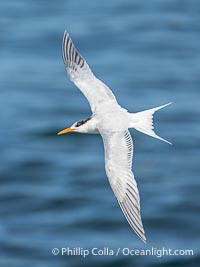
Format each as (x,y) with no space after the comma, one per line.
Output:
(143,122)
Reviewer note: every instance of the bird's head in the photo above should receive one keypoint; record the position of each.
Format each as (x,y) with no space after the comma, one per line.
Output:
(79,127)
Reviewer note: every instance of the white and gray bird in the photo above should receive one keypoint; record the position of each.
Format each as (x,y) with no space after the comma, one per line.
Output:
(112,122)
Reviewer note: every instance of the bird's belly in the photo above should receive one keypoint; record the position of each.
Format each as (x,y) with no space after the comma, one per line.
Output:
(113,121)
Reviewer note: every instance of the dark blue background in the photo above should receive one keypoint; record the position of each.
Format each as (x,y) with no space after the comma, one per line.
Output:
(53,189)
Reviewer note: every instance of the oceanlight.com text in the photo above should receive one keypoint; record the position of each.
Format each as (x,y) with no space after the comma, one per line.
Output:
(106,251)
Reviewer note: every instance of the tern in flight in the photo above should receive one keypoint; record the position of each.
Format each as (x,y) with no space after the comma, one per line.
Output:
(112,122)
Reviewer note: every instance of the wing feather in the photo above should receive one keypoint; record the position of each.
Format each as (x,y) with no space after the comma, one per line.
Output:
(95,91)
(118,160)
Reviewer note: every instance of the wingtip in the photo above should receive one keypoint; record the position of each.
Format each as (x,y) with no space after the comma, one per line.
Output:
(142,237)
(65,33)
(144,240)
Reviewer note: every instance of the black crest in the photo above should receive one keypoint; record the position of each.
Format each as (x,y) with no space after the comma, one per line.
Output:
(79,123)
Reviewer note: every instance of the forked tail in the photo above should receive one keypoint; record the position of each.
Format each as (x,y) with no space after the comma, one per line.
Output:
(143,122)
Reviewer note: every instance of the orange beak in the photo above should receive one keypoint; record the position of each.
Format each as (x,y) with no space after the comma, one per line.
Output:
(67,130)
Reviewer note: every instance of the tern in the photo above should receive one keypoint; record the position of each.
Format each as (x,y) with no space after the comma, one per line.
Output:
(112,122)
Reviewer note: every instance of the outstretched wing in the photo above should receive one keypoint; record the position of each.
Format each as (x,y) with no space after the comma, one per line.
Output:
(95,91)
(118,162)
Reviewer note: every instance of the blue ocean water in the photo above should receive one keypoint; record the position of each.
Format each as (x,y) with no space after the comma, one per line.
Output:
(54,192)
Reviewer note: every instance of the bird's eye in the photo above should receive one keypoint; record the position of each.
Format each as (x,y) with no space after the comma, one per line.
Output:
(79,123)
